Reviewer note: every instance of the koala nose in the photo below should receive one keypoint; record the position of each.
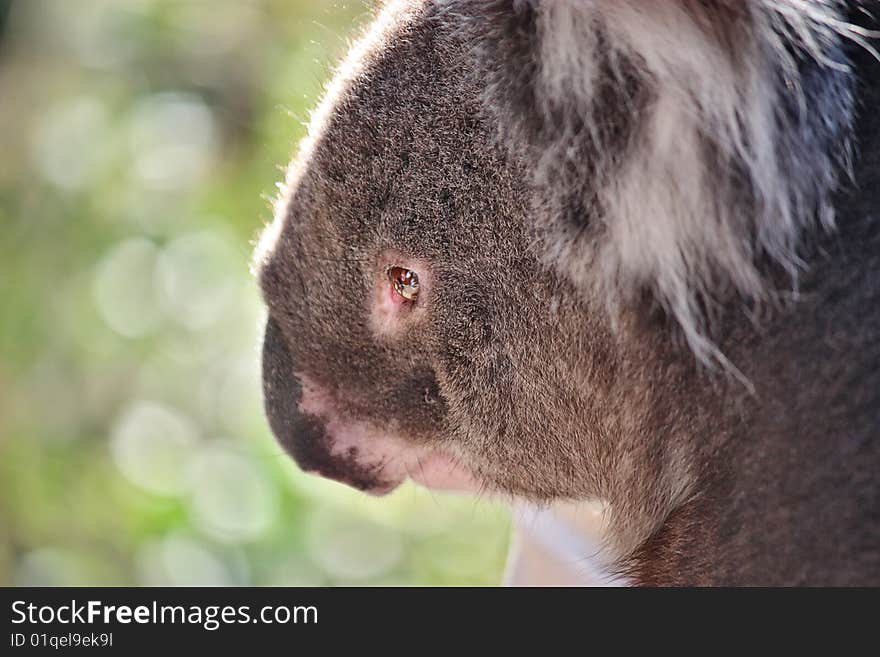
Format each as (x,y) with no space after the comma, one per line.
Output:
(281,389)
(303,436)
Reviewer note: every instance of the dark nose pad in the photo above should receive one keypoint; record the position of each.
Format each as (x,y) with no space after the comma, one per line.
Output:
(302,436)
(281,389)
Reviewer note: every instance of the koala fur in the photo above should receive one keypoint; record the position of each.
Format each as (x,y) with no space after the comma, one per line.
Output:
(649,256)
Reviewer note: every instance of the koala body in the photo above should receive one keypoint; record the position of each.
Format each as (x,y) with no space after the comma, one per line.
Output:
(577,251)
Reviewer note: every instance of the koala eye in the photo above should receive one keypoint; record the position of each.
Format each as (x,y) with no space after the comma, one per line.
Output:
(405,282)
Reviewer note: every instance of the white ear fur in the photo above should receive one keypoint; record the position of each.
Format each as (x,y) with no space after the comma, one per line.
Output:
(729,163)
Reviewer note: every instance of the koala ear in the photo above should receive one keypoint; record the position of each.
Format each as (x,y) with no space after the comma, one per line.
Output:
(672,146)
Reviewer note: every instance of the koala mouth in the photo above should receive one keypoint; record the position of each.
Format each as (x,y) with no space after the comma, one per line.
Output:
(377,463)
(367,457)
(322,440)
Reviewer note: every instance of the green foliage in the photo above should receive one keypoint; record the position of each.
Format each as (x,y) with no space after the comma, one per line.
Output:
(141,141)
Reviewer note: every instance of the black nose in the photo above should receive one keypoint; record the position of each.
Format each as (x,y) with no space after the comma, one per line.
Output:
(303,436)
(281,389)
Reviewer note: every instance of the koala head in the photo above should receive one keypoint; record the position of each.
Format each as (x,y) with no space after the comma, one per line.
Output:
(413,331)
(437,272)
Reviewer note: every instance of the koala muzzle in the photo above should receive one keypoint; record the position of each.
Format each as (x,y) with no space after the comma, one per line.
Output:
(305,436)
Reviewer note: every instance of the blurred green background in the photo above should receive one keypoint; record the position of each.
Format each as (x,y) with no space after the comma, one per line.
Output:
(140,142)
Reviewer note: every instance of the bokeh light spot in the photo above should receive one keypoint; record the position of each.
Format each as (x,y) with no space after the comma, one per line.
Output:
(123,288)
(196,276)
(174,140)
(349,548)
(152,445)
(58,566)
(231,498)
(182,561)
(69,146)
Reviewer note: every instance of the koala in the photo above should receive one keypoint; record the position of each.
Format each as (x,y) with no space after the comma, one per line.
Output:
(610,250)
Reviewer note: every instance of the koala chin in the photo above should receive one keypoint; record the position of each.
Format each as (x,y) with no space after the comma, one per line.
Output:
(611,250)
